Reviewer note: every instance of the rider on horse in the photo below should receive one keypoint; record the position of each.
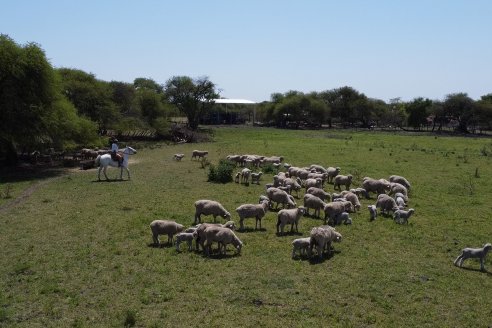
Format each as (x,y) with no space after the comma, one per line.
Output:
(115,156)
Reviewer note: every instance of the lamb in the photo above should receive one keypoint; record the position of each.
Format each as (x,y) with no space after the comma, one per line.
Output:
(318,168)
(468,253)
(210,207)
(334,208)
(199,154)
(400,202)
(164,227)
(401,216)
(178,157)
(289,216)
(318,192)
(345,180)
(237,177)
(255,177)
(376,186)
(342,217)
(185,236)
(322,237)
(386,203)
(223,236)
(351,197)
(332,173)
(257,211)
(373,212)
(280,197)
(399,194)
(200,230)
(401,180)
(301,245)
(312,201)
(245,173)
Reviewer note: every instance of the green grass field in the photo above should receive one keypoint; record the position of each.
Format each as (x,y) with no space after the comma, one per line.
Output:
(78,253)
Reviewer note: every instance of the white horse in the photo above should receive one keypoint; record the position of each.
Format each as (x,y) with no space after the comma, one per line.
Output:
(104,160)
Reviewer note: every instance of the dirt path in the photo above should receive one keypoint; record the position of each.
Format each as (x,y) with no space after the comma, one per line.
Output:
(25,194)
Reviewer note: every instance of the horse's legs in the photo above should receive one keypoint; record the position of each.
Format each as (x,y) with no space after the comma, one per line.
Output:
(128,171)
(121,173)
(104,171)
(99,173)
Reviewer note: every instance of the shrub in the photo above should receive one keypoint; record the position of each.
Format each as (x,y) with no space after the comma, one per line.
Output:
(269,168)
(222,173)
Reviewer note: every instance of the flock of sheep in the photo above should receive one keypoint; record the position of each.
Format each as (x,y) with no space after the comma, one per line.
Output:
(392,197)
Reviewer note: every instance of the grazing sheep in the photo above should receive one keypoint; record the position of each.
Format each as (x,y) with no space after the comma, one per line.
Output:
(257,211)
(400,202)
(342,217)
(210,207)
(332,209)
(401,180)
(185,236)
(279,196)
(345,180)
(401,216)
(399,194)
(178,157)
(351,197)
(332,173)
(468,253)
(318,168)
(223,236)
(164,227)
(308,183)
(398,188)
(245,173)
(335,196)
(314,202)
(386,203)
(199,154)
(322,237)
(200,230)
(269,185)
(289,216)
(293,184)
(373,211)
(376,186)
(318,192)
(360,192)
(322,176)
(255,177)
(301,245)
(263,198)
(287,189)
(287,166)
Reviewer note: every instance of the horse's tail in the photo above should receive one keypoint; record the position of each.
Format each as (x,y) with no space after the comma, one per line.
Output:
(97,160)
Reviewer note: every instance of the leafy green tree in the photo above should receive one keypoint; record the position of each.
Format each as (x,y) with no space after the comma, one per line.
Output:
(344,103)
(141,83)
(461,108)
(123,95)
(191,96)
(418,110)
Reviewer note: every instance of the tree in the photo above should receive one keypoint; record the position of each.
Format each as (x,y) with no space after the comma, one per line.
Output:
(459,107)
(343,103)
(418,110)
(147,84)
(191,96)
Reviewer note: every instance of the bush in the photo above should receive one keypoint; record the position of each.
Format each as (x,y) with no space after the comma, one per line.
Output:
(222,173)
(269,168)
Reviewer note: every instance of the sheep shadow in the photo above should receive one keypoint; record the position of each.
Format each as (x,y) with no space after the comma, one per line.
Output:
(249,230)
(487,272)
(287,234)
(326,256)
(109,181)
(161,245)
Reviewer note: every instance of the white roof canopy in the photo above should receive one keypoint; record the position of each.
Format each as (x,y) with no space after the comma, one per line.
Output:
(233,101)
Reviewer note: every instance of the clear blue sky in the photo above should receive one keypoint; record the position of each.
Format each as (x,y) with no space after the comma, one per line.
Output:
(251,49)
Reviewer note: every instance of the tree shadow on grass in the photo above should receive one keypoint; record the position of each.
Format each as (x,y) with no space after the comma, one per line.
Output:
(31,172)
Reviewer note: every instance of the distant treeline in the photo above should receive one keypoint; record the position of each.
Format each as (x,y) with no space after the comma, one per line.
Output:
(44,107)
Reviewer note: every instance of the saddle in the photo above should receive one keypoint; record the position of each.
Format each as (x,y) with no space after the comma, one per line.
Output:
(117,157)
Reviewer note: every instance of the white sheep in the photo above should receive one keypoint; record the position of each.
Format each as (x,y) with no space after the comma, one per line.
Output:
(398,188)
(178,157)
(468,253)
(200,230)
(314,202)
(318,168)
(332,173)
(164,227)
(185,236)
(360,192)
(245,173)
(301,245)
(373,211)
(322,237)
(345,180)
(223,236)
(376,186)
(199,154)
(402,216)
(401,180)
(255,177)
(332,209)
(289,216)
(257,211)
(400,202)
(279,196)
(320,193)
(351,197)
(386,203)
(342,217)
(210,207)
(310,182)
(237,177)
